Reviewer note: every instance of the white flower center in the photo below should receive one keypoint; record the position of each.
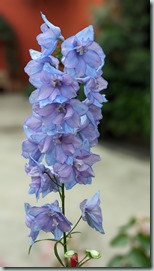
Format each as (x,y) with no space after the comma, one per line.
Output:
(57,141)
(78,165)
(81,50)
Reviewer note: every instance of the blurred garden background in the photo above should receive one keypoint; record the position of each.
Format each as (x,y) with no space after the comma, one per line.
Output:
(122,28)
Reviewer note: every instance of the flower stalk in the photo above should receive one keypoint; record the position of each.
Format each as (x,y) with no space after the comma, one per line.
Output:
(63,211)
(63,128)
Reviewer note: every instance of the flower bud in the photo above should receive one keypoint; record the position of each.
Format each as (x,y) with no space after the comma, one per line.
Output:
(73,257)
(94,254)
(69,253)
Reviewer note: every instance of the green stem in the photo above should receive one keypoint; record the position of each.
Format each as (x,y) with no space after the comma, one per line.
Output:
(64,234)
(79,265)
(63,211)
(56,253)
(59,188)
(53,179)
(74,226)
(55,182)
(49,239)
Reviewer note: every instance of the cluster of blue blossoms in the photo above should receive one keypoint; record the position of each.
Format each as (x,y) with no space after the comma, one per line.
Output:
(63,129)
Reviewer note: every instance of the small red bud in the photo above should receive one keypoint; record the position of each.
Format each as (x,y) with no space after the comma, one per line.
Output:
(74,260)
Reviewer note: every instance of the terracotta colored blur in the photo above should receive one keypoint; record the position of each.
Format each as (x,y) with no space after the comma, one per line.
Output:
(24,17)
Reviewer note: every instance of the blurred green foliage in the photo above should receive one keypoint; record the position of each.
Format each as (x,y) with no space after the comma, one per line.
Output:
(134,239)
(8,37)
(28,89)
(124,34)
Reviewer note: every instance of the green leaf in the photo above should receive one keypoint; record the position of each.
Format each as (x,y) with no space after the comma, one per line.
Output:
(131,222)
(137,258)
(144,241)
(121,239)
(116,261)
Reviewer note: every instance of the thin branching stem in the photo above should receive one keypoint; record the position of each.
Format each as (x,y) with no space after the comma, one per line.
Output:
(74,226)
(54,180)
(56,253)
(79,265)
(63,211)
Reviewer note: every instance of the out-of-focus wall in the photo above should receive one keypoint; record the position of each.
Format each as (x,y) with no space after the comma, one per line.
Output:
(24,17)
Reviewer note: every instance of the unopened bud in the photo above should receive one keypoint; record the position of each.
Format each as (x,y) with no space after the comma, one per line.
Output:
(73,257)
(94,254)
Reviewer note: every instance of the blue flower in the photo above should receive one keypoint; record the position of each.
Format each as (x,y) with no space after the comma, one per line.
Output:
(55,86)
(41,183)
(38,60)
(60,147)
(31,149)
(65,117)
(91,212)
(49,38)
(35,66)
(94,113)
(32,125)
(88,131)
(82,56)
(48,218)
(77,170)
(56,146)
(92,90)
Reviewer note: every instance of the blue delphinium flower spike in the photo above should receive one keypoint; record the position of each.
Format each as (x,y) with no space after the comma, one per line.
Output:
(63,127)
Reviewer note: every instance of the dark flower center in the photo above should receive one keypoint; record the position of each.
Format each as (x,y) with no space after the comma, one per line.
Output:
(55,83)
(50,213)
(60,108)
